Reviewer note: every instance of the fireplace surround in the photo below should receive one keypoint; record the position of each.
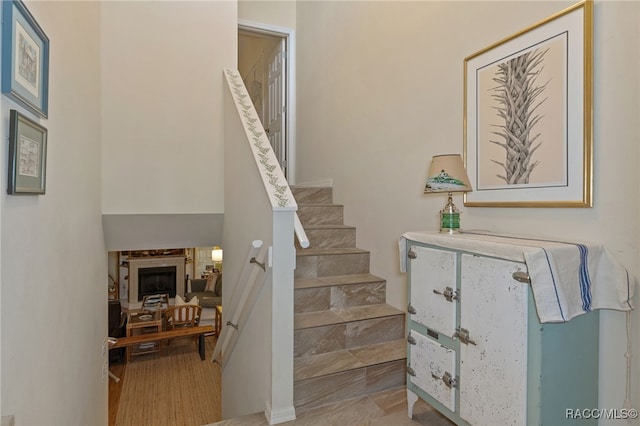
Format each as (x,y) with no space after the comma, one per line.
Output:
(159,270)
(156,280)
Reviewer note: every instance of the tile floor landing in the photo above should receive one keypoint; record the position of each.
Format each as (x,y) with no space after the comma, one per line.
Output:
(381,409)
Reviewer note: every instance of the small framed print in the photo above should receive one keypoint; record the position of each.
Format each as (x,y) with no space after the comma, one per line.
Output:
(25,58)
(27,155)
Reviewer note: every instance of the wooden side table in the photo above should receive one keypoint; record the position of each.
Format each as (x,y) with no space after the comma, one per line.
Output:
(218,320)
(140,322)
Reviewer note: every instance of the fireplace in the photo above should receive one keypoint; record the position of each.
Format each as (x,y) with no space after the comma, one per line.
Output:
(156,270)
(156,280)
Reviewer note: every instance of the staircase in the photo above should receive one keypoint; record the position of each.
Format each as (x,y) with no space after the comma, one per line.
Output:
(347,341)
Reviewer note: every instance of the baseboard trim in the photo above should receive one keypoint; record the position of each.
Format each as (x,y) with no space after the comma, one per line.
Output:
(279,416)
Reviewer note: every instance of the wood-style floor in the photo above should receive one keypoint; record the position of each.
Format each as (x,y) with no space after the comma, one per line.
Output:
(176,388)
(179,389)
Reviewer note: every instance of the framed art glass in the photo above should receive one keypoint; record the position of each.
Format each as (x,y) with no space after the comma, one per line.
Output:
(25,58)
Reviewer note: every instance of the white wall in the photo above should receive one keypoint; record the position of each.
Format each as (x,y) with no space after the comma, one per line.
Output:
(162,109)
(54,264)
(146,79)
(162,132)
(246,379)
(380,91)
(281,13)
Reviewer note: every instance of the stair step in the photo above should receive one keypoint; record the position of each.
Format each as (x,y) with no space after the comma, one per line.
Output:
(347,341)
(331,236)
(334,362)
(341,316)
(338,292)
(314,263)
(312,194)
(348,385)
(329,252)
(321,214)
(329,331)
(336,280)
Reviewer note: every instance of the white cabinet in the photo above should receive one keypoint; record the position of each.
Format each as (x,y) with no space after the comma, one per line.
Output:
(476,349)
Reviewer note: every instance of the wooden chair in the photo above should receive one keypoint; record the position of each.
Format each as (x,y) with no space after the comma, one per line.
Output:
(181,316)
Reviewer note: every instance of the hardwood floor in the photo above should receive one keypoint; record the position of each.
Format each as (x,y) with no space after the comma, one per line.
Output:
(115,390)
(177,388)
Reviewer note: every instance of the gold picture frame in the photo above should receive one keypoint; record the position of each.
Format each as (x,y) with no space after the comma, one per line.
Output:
(528,115)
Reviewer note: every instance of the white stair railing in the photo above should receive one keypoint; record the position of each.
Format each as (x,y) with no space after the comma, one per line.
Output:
(266,212)
(244,296)
(303,240)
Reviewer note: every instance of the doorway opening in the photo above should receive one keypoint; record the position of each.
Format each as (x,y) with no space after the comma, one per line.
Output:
(265,62)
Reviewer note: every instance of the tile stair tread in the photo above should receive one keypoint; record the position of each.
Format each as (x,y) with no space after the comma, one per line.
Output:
(339,316)
(348,359)
(336,280)
(329,251)
(321,195)
(319,205)
(308,227)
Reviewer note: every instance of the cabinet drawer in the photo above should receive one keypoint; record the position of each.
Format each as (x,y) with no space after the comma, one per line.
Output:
(430,362)
(432,273)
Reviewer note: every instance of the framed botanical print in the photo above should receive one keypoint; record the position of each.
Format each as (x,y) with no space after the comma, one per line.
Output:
(528,115)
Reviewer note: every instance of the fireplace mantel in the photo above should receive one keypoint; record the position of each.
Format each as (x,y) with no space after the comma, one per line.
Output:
(135,264)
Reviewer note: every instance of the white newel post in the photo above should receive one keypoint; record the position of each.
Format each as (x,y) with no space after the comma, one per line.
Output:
(282,257)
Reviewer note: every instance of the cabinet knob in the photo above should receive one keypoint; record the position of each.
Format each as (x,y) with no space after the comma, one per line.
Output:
(448,293)
(411,309)
(411,254)
(411,340)
(410,371)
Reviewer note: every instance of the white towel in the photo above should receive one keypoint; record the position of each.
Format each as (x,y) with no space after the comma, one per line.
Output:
(567,279)
(572,280)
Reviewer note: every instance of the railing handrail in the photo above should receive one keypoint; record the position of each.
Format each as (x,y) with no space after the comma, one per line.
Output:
(271,173)
(303,240)
(239,303)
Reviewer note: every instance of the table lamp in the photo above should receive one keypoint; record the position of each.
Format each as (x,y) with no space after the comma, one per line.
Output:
(447,174)
(216,258)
